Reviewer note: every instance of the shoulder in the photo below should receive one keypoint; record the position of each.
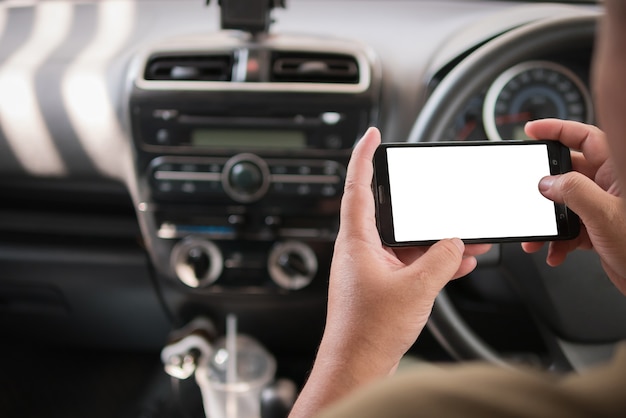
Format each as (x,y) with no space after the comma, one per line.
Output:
(479,390)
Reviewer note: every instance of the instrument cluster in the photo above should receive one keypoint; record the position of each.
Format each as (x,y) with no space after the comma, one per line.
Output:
(529,90)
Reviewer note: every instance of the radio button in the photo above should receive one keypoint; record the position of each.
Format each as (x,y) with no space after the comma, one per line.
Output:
(285,189)
(329,190)
(330,170)
(164,186)
(236,219)
(165,167)
(278,187)
(188,187)
(304,190)
(189,167)
(279,169)
(163,137)
(333,141)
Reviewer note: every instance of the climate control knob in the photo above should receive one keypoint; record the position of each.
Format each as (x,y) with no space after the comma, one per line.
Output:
(246,177)
(292,264)
(197,262)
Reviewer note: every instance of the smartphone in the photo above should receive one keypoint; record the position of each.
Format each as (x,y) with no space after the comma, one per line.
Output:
(480,191)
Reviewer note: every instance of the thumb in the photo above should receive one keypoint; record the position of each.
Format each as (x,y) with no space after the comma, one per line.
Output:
(439,264)
(578,192)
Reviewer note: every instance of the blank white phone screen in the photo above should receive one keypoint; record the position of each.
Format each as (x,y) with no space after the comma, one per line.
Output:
(469,192)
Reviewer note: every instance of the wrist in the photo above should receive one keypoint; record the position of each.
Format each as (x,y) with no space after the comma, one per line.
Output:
(352,363)
(341,366)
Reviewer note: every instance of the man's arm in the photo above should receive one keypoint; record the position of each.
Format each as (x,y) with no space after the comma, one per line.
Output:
(609,81)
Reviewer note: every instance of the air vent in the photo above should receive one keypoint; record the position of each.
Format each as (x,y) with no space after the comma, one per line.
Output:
(301,67)
(190,68)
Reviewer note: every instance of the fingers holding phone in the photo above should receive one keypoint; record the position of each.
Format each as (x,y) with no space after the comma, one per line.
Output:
(590,151)
(592,191)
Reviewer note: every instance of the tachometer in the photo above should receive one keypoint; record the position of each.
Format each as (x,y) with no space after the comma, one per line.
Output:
(534,90)
(468,124)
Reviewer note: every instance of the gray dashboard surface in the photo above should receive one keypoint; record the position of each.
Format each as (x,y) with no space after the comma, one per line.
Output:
(64,65)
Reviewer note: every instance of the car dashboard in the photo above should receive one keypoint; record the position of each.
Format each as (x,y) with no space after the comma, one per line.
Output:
(157,168)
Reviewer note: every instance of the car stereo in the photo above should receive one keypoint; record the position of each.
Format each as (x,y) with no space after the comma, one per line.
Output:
(247,157)
(241,155)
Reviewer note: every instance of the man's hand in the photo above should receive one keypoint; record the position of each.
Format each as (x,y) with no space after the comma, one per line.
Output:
(591,191)
(379,299)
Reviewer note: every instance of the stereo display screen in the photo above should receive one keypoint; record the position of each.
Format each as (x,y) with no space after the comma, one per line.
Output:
(246,138)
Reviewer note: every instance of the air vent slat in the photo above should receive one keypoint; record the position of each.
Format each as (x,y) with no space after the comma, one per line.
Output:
(314,68)
(190,68)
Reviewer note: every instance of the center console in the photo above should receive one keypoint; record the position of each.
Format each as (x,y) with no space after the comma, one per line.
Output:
(241,146)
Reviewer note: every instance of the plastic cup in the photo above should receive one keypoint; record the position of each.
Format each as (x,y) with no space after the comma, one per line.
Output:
(231,386)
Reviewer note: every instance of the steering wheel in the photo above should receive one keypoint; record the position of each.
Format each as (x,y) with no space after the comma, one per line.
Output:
(575,305)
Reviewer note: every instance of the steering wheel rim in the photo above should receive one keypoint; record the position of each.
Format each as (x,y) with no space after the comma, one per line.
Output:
(473,73)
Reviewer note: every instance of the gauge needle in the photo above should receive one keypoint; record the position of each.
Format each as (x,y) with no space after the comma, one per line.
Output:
(466,130)
(513,118)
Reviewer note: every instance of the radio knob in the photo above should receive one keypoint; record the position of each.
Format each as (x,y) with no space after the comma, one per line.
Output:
(292,265)
(197,262)
(246,178)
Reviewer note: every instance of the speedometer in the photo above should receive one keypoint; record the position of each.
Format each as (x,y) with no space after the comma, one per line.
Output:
(534,90)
